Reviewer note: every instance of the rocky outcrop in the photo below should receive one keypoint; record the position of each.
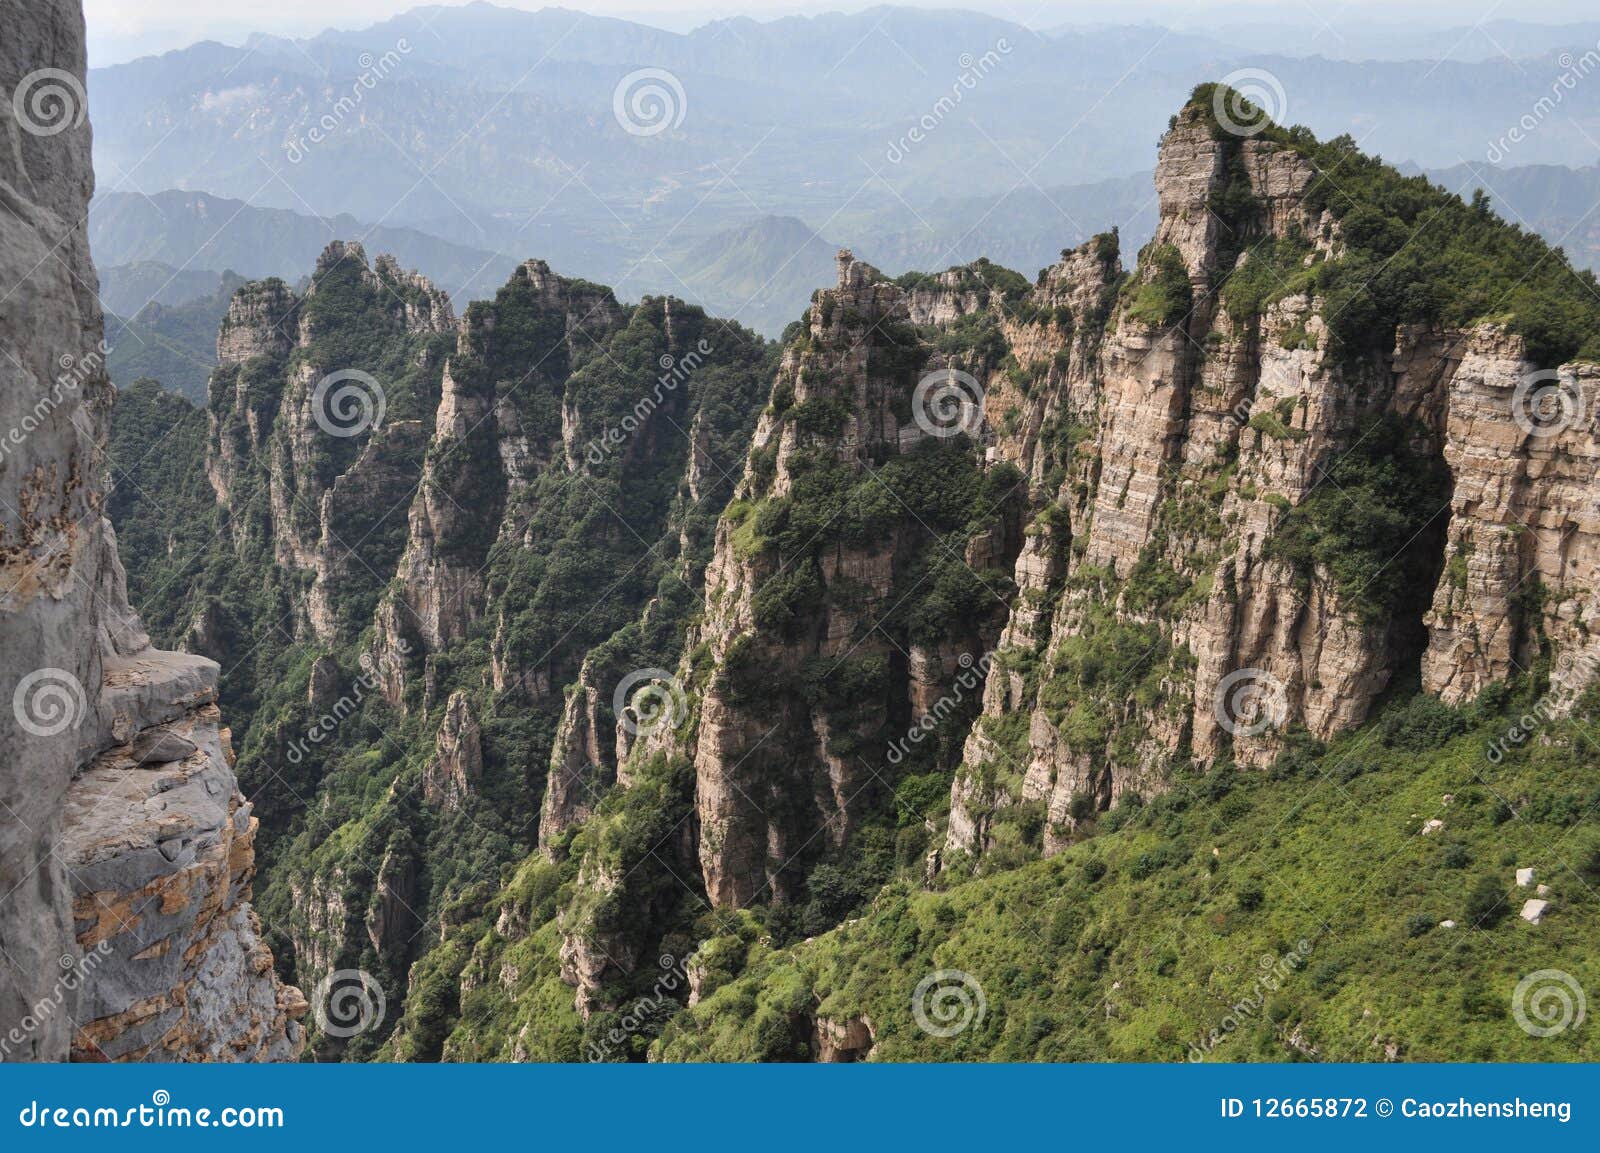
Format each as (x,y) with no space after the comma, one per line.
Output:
(1524,518)
(457,763)
(1203,437)
(127,851)
(159,849)
(582,761)
(798,716)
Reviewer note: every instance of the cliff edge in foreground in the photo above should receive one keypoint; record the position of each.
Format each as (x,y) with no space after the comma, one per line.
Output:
(126,856)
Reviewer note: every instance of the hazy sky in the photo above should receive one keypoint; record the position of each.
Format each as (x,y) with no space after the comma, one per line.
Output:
(122,29)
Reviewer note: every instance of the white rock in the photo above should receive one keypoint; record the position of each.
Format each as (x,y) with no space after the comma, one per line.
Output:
(1447,924)
(1432,826)
(1533,911)
(1524,878)
(1542,891)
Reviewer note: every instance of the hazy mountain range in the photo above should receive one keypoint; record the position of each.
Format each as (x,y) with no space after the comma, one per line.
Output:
(465,140)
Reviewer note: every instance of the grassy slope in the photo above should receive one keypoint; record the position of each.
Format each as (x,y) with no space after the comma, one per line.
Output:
(1203,886)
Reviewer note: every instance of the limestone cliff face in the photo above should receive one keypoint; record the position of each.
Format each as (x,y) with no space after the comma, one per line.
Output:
(315,458)
(1200,437)
(1524,514)
(128,849)
(782,775)
(493,433)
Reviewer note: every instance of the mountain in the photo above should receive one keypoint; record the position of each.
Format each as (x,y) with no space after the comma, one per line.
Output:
(126,288)
(1552,200)
(195,232)
(761,274)
(478,114)
(175,344)
(611,683)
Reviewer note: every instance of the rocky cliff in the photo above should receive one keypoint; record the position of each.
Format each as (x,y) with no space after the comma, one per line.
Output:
(127,856)
(658,678)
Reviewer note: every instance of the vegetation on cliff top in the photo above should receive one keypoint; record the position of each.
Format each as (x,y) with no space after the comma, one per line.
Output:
(1417,253)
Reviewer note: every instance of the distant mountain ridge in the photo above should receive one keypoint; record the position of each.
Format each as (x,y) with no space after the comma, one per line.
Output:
(199,231)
